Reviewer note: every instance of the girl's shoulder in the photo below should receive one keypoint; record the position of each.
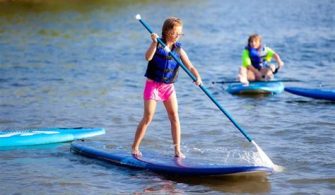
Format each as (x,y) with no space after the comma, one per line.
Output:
(178,44)
(177,47)
(268,49)
(245,50)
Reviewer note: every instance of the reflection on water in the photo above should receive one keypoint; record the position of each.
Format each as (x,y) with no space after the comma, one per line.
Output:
(310,101)
(248,183)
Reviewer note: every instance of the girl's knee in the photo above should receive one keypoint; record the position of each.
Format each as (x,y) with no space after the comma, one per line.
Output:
(146,120)
(173,116)
(272,67)
(243,70)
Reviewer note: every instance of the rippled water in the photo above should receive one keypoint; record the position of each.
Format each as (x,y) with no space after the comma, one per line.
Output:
(70,66)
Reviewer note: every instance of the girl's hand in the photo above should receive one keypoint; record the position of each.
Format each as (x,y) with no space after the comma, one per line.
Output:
(198,81)
(280,65)
(154,37)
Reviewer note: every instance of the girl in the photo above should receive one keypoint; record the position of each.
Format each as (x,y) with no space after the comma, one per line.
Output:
(255,59)
(161,73)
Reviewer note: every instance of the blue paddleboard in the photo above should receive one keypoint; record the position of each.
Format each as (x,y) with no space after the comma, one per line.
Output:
(162,164)
(259,87)
(324,94)
(26,137)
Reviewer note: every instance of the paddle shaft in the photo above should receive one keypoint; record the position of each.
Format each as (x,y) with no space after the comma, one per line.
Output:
(204,89)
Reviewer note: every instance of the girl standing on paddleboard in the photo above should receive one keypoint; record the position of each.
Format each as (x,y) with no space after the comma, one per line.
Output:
(161,73)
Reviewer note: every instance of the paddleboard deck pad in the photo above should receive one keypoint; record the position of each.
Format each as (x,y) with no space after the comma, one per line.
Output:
(323,94)
(261,87)
(160,163)
(26,137)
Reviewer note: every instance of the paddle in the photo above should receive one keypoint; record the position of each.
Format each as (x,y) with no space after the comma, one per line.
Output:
(276,71)
(271,81)
(264,157)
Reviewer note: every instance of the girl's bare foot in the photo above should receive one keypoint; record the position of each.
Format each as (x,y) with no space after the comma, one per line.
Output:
(179,155)
(136,152)
(243,80)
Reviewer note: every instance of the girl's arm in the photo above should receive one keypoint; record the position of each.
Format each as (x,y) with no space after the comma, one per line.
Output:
(186,61)
(278,60)
(152,48)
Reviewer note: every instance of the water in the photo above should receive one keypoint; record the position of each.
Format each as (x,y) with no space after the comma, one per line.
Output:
(70,65)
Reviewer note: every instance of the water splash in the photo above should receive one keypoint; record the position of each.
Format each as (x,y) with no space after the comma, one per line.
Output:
(226,156)
(266,161)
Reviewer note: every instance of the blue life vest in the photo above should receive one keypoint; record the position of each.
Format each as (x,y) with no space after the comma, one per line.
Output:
(257,57)
(162,67)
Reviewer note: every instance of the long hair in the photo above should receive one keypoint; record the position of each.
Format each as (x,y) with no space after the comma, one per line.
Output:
(169,24)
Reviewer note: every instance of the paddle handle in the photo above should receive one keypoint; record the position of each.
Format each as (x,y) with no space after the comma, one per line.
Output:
(203,88)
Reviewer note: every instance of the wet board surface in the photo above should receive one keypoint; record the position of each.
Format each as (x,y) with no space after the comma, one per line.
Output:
(256,88)
(162,163)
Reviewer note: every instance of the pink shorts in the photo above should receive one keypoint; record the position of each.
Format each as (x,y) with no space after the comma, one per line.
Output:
(157,91)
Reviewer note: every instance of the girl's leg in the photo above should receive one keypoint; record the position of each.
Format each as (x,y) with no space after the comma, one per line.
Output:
(149,111)
(243,75)
(171,106)
(268,72)
(251,75)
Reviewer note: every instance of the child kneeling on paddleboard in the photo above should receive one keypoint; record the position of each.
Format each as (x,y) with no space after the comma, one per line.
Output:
(161,73)
(255,61)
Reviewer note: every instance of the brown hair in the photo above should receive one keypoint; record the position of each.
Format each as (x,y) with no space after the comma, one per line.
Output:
(169,24)
(254,37)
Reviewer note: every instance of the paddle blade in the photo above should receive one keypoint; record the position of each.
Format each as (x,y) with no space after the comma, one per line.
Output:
(268,162)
